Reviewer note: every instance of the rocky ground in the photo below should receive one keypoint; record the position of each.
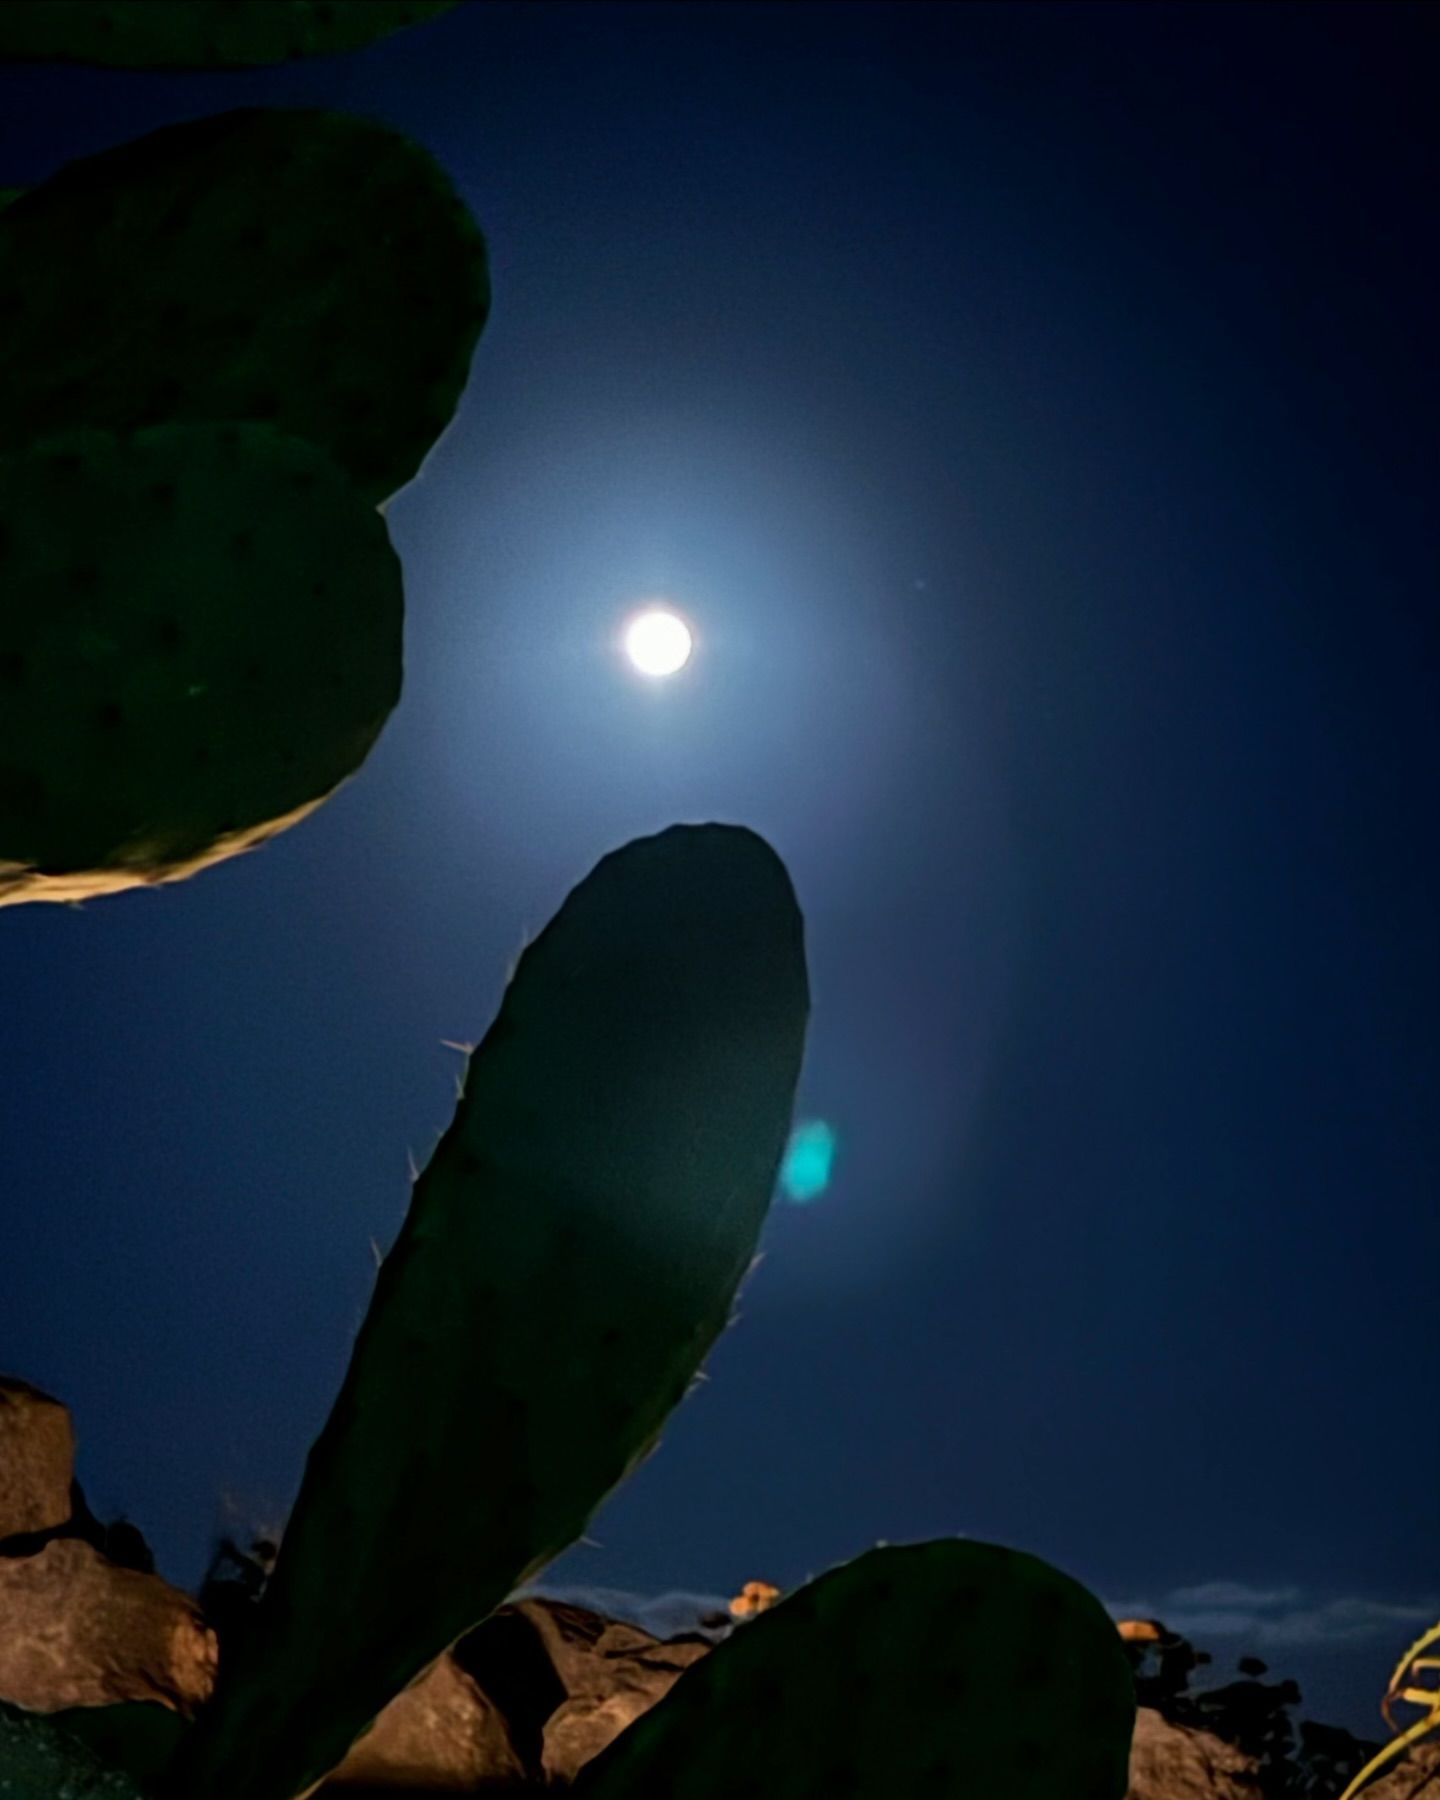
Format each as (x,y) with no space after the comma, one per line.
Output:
(521,1702)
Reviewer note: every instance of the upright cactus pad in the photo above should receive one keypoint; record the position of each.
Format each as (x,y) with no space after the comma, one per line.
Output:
(300,269)
(570,1254)
(200,34)
(949,1670)
(200,637)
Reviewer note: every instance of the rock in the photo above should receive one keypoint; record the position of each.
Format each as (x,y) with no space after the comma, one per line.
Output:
(1329,1758)
(37,1460)
(1416,1773)
(526,1698)
(1141,1631)
(441,1734)
(505,1655)
(529,1696)
(80,1631)
(1176,1762)
(40,1499)
(602,1673)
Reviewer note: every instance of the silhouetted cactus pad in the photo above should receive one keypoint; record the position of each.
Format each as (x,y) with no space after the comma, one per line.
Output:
(949,1670)
(570,1254)
(200,34)
(40,1760)
(200,637)
(135,1738)
(297,268)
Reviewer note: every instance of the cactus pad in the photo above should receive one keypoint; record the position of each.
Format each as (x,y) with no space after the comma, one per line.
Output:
(200,34)
(39,1760)
(937,1671)
(301,269)
(200,637)
(569,1256)
(134,1737)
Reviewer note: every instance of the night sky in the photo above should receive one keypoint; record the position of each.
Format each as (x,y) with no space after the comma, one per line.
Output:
(1034,407)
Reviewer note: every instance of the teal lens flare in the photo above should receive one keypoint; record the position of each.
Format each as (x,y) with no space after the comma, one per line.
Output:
(805,1172)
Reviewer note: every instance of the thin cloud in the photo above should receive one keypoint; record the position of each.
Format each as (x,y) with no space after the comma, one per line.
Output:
(1228,1594)
(1269,1617)
(1277,1617)
(664,1615)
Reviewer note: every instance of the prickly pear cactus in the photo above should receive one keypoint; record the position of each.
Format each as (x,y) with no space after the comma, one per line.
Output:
(200,34)
(40,1760)
(937,1671)
(301,269)
(197,645)
(134,1738)
(570,1254)
(200,637)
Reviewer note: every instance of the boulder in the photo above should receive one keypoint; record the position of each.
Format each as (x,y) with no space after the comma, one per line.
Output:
(81,1631)
(529,1696)
(1416,1773)
(40,1499)
(37,1460)
(571,1680)
(517,1706)
(1176,1762)
(441,1734)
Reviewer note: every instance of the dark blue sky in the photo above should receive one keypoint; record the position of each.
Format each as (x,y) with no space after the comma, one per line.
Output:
(1035,407)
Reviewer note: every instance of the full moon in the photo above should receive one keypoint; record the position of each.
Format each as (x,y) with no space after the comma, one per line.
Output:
(658,641)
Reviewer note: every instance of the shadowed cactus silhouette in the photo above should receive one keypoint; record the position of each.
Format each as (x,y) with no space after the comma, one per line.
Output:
(201,638)
(42,1758)
(200,34)
(294,267)
(87,1752)
(288,307)
(952,1668)
(206,398)
(615,1150)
